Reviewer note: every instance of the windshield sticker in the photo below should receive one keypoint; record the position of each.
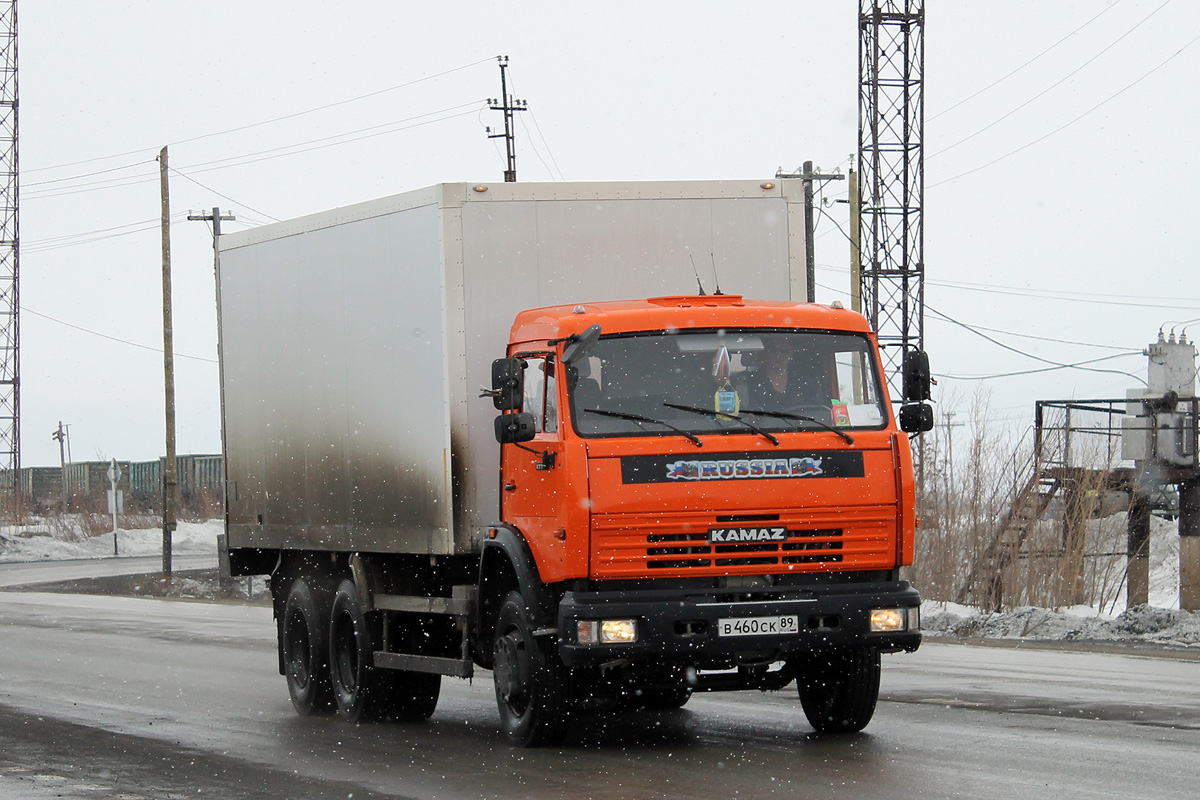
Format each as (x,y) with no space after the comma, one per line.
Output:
(738,466)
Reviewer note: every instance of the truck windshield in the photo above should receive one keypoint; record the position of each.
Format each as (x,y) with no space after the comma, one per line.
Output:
(776,380)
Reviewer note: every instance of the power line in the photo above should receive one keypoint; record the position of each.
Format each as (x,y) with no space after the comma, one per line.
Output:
(1067,298)
(268,121)
(1055,294)
(1071,122)
(541,136)
(272,153)
(537,152)
(86,174)
(225,196)
(996,330)
(1054,85)
(1055,364)
(1050,339)
(331,140)
(1078,365)
(1023,66)
(1049,293)
(113,338)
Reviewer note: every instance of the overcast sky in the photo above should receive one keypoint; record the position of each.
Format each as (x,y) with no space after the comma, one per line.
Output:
(1060,164)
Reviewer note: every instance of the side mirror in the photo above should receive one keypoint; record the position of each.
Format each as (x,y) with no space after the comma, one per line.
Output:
(508,384)
(916,418)
(917,376)
(517,428)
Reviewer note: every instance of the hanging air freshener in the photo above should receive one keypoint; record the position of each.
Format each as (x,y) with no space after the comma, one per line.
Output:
(726,400)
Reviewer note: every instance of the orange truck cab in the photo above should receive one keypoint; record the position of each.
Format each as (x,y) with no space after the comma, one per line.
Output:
(706,493)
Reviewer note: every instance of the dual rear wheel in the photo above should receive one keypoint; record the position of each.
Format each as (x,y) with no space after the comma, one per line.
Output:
(327,643)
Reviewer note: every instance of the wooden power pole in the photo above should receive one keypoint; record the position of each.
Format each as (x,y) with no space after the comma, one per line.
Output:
(170,476)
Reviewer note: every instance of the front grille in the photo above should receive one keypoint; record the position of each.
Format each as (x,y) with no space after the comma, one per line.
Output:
(694,550)
(637,545)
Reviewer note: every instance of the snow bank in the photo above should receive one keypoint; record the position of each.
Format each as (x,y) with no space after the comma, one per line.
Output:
(1146,624)
(46,542)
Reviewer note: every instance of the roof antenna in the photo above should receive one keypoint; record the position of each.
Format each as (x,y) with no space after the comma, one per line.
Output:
(697,273)
(716,278)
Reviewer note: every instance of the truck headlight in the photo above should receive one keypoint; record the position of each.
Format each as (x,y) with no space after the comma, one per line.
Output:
(888,620)
(618,631)
(608,631)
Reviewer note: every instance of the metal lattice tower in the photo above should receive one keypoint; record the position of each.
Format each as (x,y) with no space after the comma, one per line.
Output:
(10,381)
(891,121)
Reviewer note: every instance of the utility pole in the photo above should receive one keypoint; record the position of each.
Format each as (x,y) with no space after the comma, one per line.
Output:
(216,217)
(508,105)
(810,260)
(949,424)
(170,476)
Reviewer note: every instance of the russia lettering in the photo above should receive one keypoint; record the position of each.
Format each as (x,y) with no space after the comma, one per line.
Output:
(806,467)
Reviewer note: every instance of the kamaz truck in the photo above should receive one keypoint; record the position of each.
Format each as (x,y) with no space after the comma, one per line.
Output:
(519,428)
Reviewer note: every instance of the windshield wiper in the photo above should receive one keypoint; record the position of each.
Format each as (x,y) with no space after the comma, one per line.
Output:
(716,414)
(813,420)
(639,418)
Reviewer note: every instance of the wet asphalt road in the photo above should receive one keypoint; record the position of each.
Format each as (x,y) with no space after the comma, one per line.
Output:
(132,698)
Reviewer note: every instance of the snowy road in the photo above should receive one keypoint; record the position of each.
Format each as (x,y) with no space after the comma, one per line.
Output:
(108,697)
(26,572)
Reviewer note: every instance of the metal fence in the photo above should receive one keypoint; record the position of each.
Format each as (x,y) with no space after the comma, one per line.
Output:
(201,483)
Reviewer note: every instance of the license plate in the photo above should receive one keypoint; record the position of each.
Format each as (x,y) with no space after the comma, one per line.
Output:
(758,626)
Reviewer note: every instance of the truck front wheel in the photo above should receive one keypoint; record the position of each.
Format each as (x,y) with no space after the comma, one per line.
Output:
(838,690)
(530,680)
(362,690)
(304,646)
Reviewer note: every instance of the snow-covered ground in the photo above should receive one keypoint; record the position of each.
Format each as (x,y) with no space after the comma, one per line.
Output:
(1146,624)
(63,539)
(1161,622)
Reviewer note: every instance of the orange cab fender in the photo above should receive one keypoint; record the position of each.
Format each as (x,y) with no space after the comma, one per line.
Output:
(506,563)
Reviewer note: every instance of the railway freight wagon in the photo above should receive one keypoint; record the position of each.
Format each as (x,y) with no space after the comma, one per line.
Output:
(502,426)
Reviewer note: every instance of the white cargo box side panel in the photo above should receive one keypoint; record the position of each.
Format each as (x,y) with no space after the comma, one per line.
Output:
(335,385)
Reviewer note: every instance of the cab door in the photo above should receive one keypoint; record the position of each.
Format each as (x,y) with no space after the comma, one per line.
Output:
(534,488)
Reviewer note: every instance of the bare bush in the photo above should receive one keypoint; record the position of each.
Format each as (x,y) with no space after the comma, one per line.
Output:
(1005,524)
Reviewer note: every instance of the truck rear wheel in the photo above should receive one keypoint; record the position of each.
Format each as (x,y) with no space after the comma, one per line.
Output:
(362,690)
(304,647)
(530,680)
(838,690)
(665,699)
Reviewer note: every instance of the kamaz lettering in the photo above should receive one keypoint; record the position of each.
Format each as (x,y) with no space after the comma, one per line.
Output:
(724,535)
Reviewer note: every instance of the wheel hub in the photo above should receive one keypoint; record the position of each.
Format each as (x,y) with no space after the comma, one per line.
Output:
(511,668)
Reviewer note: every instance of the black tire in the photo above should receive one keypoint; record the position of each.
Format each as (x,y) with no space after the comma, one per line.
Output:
(410,696)
(361,690)
(664,699)
(530,680)
(838,690)
(304,647)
